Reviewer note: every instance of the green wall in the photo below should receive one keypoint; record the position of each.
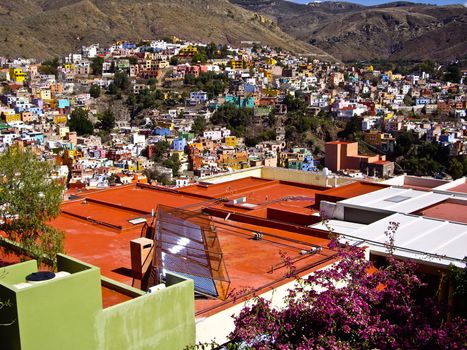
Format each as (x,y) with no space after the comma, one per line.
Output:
(67,314)
(17,273)
(161,320)
(60,312)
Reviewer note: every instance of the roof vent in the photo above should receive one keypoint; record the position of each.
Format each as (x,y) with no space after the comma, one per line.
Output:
(257,236)
(311,251)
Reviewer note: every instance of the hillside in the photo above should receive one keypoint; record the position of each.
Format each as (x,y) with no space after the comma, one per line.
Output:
(46,28)
(394,31)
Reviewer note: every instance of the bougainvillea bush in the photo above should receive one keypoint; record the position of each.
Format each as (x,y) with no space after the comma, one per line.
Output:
(371,310)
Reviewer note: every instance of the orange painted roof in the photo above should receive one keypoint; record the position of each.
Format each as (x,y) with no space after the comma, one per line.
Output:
(98,231)
(354,189)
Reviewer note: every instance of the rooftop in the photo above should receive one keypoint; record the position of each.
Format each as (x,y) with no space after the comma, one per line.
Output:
(450,209)
(394,199)
(432,241)
(99,226)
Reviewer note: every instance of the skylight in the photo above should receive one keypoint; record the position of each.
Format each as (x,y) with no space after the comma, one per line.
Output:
(397,199)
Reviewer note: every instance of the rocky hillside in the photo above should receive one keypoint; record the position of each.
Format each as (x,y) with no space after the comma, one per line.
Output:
(47,28)
(394,31)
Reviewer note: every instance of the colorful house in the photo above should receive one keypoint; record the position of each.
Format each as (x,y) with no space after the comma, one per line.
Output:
(18,75)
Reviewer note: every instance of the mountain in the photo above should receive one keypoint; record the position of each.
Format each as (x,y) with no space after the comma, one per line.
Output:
(47,28)
(393,31)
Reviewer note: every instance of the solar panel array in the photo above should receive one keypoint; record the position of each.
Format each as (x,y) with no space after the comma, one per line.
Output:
(187,244)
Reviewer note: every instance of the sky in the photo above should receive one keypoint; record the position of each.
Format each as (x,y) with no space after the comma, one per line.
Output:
(376,2)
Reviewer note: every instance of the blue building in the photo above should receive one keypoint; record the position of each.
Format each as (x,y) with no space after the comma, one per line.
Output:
(63,103)
(161,132)
(179,144)
(240,102)
(422,101)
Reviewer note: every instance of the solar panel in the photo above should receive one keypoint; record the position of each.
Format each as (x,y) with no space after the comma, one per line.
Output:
(187,244)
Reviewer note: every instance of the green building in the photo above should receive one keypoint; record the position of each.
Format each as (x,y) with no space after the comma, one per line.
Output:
(67,313)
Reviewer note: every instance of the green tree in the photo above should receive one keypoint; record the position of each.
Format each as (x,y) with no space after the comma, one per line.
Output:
(95,91)
(353,129)
(456,169)
(294,103)
(29,199)
(173,163)
(453,74)
(161,149)
(199,125)
(121,80)
(173,61)
(96,65)
(107,120)
(408,100)
(79,122)
(49,67)
(199,58)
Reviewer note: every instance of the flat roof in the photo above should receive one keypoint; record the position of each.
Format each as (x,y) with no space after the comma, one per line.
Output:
(395,199)
(451,209)
(432,241)
(459,188)
(257,266)
(98,231)
(338,226)
(354,189)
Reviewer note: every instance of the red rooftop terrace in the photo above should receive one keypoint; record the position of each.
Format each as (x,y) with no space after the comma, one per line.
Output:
(99,226)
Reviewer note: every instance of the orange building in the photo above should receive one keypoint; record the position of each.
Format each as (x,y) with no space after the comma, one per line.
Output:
(342,155)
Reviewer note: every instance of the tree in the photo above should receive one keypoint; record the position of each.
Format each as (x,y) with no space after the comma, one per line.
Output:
(199,125)
(49,67)
(453,74)
(107,120)
(97,65)
(173,61)
(353,129)
(199,58)
(382,310)
(79,122)
(173,163)
(161,149)
(456,169)
(121,80)
(29,199)
(95,91)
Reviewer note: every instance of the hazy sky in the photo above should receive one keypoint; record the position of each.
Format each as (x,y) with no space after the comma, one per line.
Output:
(375,2)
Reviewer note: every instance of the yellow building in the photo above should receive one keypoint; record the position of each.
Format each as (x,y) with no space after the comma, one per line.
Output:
(231,141)
(17,75)
(45,94)
(16,117)
(60,119)
(69,67)
(70,156)
(237,64)
(198,145)
(190,50)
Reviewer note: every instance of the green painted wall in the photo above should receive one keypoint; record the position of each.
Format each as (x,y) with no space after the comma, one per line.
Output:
(67,314)
(16,273)
(60,314)
(161,320)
